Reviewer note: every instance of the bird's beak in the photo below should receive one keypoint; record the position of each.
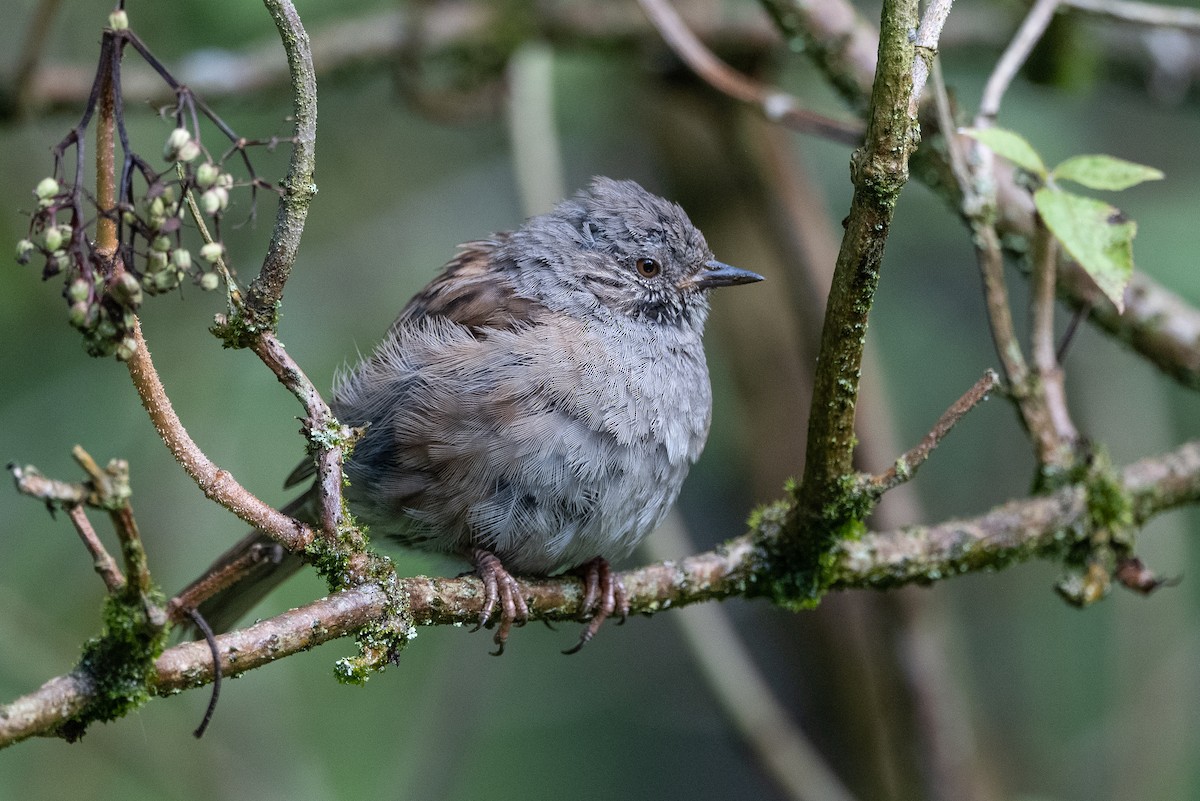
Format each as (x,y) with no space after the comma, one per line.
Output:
(716,273)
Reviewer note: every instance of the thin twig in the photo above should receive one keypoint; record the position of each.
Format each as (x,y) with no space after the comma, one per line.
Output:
(136,564)
(211,640)
(1064,343)
(1043,349)
(775,104)
(1014,57)
(226,576)
(215,483)
(31,482)
(907,465)
(328,437)
(105,565)
(1152,14)
(926,44)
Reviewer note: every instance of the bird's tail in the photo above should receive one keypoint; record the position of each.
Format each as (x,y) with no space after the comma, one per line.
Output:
(247,572)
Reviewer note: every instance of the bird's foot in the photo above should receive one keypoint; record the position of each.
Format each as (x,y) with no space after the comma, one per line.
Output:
(603,595)
(499,586)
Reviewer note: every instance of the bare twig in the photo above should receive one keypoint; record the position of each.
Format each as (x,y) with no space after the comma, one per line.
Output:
(1044,351)
(105,565)
(776,105)
(1151,14)
(926,45)
(1018,50)
(214,482)
(328,437)
(907,465)
(31,482)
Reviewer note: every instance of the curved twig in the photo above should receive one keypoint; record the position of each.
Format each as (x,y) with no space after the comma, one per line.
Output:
(775,104)
(299,187)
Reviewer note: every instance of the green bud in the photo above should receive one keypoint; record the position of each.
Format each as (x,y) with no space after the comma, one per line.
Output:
(25,249)
(212,252)
(60,260)
(182,259)
(165,281)
(118,20)
(128,217)
(225,181)
(214,200)
(161,244)
(157,261)
(207,174)
(127,291)
(210,281)
(189,152)
(126,348)
(47,188)
(78,314)
(79,290)
(176,141)
(105,329)
(157,207)
(52,238)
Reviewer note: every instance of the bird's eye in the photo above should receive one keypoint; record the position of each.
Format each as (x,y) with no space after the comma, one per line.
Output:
(648,267)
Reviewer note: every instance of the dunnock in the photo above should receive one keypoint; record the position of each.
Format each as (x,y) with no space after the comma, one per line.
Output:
(537,406)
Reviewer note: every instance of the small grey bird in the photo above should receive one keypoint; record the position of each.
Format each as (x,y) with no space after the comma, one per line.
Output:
(537,406)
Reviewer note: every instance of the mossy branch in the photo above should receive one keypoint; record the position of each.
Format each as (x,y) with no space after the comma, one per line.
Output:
(1044,526)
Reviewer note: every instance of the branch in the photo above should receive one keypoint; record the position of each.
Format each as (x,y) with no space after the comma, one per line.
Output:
(879,170)
(906,466)
(299,188)
(1157,323)
(1184,19)
(1015,54)
(1019,530)
(774,104)
(215,483)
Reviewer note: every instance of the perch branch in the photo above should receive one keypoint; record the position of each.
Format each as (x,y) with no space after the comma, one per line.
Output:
(1015,531)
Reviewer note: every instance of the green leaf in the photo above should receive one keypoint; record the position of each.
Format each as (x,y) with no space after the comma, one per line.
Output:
(1097,235)
(1011,146)
(1105,172)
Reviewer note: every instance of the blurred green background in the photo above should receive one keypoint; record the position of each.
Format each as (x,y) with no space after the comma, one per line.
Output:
(1035,699)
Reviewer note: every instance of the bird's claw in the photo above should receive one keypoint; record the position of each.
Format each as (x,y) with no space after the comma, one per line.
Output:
(500,587)
(603,595)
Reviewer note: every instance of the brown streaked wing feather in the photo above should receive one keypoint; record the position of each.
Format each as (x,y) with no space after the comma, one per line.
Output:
(472,293)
